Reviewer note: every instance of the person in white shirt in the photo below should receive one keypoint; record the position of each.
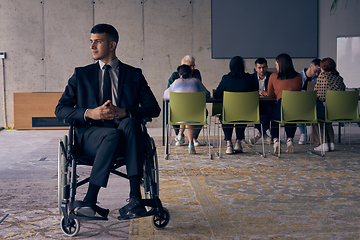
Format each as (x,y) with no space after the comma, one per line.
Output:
(186,83)
(261,76)
(308,75)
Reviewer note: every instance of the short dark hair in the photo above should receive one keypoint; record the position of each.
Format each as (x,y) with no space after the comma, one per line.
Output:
(260,61)
(110,31)
(316,62)
(184,71)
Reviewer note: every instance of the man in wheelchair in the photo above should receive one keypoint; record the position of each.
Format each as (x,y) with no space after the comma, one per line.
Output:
(108,100)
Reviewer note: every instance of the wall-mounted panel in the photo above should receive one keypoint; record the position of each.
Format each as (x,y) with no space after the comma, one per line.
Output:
(348,59)
(264,28)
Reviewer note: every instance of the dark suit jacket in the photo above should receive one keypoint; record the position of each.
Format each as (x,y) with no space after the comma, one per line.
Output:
(255,76)
(82,92)
(230,83)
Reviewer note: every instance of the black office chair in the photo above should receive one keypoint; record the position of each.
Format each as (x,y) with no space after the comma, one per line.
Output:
(69,157)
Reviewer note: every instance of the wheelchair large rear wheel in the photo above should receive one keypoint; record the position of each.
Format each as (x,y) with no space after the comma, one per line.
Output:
(62,171)
(71,228)
(150,186)
(156,167)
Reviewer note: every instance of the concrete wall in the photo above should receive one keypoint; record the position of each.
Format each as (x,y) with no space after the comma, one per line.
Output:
(45,40)
(345,21)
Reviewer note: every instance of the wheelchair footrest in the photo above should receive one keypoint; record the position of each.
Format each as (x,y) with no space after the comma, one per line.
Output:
(128,217)
(74,216)
(126,213)
(99,210)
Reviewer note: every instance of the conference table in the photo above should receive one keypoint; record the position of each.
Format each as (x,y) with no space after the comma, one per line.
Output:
(165,109)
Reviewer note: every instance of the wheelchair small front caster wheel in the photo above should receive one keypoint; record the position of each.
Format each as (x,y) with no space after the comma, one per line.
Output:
(161,222)
(72,228)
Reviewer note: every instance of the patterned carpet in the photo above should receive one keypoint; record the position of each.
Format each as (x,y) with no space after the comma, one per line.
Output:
(240,196)
(299,196)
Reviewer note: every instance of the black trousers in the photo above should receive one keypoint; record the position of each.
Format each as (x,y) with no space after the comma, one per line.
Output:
(106,144)
(274,113)
(263,107)
(239,130)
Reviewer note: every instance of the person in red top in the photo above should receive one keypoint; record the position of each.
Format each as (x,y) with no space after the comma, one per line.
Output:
(286,79)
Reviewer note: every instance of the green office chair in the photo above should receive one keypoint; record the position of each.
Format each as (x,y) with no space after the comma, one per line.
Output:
(297,107)
(186,109)
(241,108)
(341,106)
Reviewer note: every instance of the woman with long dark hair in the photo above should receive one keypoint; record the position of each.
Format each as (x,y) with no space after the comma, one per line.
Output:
(286,79)
(235,81)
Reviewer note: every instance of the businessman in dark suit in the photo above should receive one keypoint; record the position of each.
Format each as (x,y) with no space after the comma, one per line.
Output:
(108,99)
(261,77)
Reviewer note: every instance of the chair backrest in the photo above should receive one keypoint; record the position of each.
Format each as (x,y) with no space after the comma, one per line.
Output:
(342,106)
(216,107)
(298,107)
(187,108)
(240,108)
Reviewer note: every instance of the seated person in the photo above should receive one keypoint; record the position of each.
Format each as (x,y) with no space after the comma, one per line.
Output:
(235,81)
(190,61)
(186,83)
(261,77)
(286,79)
(328,79)
(308,75)
(108,100)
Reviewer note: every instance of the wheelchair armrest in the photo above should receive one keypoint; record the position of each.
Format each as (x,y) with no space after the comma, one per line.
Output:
(69,121)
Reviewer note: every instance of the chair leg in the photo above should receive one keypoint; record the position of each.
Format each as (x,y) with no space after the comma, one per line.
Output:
(262,139)
(262,142)
(310,151)
(208,138)
(220,135)
(279,141)
(270,140)
(270,137)
(323,142)
(349,133)
(167,142)
(310,135)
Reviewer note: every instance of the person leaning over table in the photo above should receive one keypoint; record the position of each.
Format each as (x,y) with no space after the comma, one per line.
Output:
(328,79)
(186,83)
(195,73)
(286,79)
(308,75)
(235,81)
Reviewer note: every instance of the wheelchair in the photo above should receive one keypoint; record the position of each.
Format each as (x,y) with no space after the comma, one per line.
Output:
(68,182)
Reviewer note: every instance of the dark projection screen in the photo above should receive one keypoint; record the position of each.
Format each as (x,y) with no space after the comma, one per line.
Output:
(264,28)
